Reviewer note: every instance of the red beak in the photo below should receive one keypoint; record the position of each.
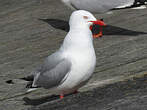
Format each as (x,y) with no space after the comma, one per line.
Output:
(98,22)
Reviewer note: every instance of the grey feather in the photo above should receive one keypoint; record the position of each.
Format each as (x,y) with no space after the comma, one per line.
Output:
(49,63)
(99,6)
(52,76)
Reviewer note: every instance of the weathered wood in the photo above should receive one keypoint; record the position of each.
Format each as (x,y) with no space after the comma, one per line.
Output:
(125,95)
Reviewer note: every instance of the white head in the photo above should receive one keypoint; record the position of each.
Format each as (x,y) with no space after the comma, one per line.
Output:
(80,21)
(81,18)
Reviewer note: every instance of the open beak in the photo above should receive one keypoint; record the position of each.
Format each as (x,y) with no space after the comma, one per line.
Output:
(98,22)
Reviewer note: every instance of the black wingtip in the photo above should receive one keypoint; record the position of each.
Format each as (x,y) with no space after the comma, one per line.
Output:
(28,78)
(29,85)
(9,82)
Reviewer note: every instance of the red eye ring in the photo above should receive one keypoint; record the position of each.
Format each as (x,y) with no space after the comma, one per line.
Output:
(85,17)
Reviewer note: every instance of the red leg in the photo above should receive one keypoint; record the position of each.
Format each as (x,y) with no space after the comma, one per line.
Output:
(61,96)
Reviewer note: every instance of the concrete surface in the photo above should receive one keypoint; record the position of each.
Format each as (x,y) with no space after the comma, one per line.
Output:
(31,30)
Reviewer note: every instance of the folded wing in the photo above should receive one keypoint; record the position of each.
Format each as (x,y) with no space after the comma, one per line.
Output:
(53,77)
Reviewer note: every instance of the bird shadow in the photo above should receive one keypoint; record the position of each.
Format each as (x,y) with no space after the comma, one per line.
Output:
(39,101)
(108,30)
(58,24)
(44,99)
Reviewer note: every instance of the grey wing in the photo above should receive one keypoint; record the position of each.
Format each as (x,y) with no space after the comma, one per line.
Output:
(100,6)
(49,63)
(54,76)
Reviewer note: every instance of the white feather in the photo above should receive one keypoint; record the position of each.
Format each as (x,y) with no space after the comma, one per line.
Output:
(78,48)
(98,6)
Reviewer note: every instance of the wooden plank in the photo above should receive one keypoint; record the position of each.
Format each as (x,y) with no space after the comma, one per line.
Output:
(25,40)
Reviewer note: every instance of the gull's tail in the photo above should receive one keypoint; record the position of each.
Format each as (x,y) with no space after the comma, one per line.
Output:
(140,2)
(134,5)
(25,80)
(30,83)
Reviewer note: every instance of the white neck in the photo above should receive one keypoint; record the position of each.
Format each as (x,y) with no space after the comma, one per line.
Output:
(78,38)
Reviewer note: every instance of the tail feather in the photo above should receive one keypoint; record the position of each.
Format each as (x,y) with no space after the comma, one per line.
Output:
(31,89)
(24,80)
(28,78)
(139,2)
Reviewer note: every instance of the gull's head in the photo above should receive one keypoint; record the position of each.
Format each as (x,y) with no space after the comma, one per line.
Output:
(82,18)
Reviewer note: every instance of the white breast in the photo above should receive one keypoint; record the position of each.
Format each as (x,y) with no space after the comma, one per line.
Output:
(78,48)
(83,65)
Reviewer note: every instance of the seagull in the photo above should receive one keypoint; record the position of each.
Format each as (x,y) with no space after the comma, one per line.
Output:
(72,65)
(101,6)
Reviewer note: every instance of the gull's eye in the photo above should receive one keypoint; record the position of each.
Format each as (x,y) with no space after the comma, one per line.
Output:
(85,17)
